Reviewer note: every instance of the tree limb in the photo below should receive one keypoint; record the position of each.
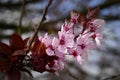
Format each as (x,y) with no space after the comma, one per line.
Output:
(21,16)
(17,4)
(38,27)
(115,77)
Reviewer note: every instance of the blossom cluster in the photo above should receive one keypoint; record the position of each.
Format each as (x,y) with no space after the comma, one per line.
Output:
(48,53)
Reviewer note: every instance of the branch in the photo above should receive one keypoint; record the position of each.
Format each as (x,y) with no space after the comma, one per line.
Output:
(70,73)
(81,72)
(38,27)
(111,17)
(109,3)
(45,27)
(17,4)
(113,77)
(21,16)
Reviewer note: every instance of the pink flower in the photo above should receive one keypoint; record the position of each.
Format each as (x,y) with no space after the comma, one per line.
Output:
(84,43)
(48,42)
(79,59)
(43,58)
(52,50)
(67,27)
(74,16)
(97,37)
(75,54)
(65,41)
(95,25)
(99,23)
(59,64)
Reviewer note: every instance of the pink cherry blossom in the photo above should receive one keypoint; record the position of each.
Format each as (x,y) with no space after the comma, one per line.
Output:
(52,50)
(67,27)
(65,41)
(97,37)
(47,40)
(75,54)
(99,22)
(84,43)
(74,16)
(79,59)
(95,25)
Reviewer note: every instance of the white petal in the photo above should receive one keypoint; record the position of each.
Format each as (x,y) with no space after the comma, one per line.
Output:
(79,59)
(47,40)
(55,42)
(62,48)
(99,22)
(80,40)
(69,40)
(85,56)
(50,52)
(98,42)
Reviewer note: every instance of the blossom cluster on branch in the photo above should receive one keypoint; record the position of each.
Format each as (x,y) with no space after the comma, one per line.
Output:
(48,53)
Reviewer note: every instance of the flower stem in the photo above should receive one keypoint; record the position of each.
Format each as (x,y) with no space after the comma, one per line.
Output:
(21,17)
(38,27)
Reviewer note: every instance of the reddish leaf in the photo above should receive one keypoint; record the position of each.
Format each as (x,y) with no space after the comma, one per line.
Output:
(12,74)
(26,41)
(81,19)
(92,13)
(13,59)
(5,49)
(42,49)
(35,45)
(3,65)
(16,42)
(19,52)
(17,55)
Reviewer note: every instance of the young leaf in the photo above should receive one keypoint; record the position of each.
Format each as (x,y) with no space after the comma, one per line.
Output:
(92,13)
(5,49)
(16,42)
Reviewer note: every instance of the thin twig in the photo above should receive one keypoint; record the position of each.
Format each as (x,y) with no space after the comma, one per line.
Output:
(38,27)
(112,77)
(21,16)
(70,74)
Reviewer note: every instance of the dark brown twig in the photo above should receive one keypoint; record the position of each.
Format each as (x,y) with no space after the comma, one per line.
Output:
(38,27)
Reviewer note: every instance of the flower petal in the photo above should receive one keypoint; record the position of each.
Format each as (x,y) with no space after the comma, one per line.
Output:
(62,49)
(55,42)
(98,42)
(99,22)
(85,56)
(47,40)
(79,59)
(69,40)
(50,52)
